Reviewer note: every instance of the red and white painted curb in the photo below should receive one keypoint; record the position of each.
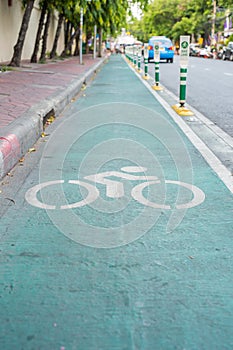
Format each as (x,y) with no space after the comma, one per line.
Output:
(10,151)
(22,133)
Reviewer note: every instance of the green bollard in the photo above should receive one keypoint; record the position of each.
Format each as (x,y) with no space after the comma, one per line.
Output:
(139,58)
(183,78)
(156,59)
(135,56)
(131,55)
(184,56)
(157,73)
(146,55)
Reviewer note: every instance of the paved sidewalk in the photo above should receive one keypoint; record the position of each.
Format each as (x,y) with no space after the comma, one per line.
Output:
(29,93)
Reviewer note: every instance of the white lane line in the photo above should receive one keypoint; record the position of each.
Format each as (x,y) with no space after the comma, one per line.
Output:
(223,173)
(229,74)
(207,122)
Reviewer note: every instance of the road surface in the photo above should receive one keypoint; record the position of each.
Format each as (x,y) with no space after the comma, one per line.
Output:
(115,232)
(209,87)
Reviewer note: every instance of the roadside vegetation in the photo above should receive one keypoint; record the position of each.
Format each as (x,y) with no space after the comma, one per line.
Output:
(108,15)
(173,18)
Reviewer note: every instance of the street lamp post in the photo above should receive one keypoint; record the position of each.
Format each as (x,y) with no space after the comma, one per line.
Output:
(81,36)
(213,23)
(95,33)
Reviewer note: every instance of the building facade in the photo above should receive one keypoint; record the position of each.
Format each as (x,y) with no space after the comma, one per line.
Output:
(11,14)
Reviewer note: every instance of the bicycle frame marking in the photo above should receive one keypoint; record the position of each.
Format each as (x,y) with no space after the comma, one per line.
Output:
(115,189)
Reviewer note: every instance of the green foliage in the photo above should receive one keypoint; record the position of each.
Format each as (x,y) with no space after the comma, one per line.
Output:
(229,39)
(5,68)
(179,17)
(183,27)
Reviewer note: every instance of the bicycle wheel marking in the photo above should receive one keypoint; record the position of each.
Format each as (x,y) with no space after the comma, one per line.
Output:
(31,195)
(198,195)
(93,194)
(138,196)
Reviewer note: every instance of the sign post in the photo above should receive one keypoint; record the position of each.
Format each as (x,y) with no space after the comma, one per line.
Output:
(156,60)
(184,57)
(81,37)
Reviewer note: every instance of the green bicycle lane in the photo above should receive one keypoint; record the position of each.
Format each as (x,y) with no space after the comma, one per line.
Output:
(121,238)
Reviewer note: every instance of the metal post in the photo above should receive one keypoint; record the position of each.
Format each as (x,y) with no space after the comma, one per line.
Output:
(213,23)
(95,33)
(81,37)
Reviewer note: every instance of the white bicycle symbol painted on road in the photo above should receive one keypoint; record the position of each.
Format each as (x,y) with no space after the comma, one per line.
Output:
(115,189)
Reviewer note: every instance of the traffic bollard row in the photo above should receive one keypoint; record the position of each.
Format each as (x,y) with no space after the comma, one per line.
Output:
(134,55)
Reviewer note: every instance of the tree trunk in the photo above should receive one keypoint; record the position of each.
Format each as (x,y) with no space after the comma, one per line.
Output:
(100,42)
(45,36)
(58,32)
(70,42)
(88,36)
(77,41)
(18,48)
(66,32)
(39,32)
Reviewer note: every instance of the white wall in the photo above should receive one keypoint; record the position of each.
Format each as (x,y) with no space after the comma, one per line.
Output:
(10,22)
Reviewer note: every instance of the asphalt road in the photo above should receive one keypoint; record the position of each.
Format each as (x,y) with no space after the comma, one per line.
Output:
(209,87)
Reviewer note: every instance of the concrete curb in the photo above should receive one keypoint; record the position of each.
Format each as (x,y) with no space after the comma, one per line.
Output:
(22,134)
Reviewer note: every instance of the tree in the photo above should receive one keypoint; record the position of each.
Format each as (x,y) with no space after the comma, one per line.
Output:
(45,35)
(183,27)
(18,48)
(175,17)
(39,32)
(57,35)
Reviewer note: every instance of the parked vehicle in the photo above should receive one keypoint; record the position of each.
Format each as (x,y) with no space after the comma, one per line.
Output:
(165,46)
(194,49)
(220,53)
(205,52)
(228,52)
